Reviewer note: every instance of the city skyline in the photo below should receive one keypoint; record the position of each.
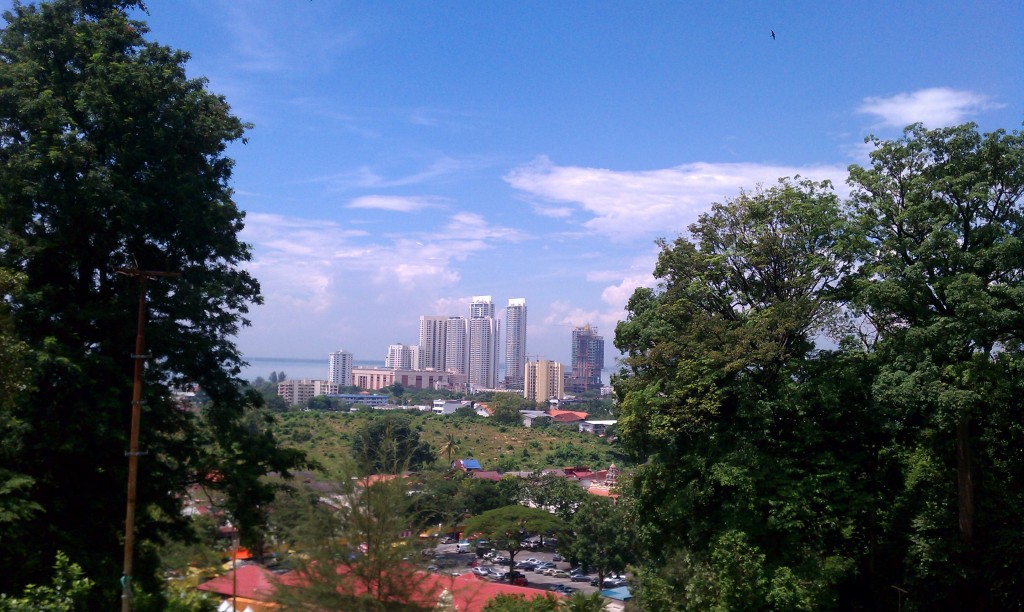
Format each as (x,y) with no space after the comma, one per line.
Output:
(405,157)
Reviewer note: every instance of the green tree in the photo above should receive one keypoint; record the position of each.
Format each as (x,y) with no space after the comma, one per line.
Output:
(111,158)
(602,538)
(16,504)
(506,527)
(712,400)
(519,603)
(389,440)
(450,447)
(940,289)
(505,408)
(557,494)
(68,591)
(356,551)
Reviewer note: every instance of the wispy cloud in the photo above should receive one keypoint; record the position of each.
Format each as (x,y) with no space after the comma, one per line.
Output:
(366,177)
(395,203)
(640,205)
(313,262)
(935,107)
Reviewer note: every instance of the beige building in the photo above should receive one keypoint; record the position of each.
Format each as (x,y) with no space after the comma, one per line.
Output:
(378,378)
(301,391)
(544,380)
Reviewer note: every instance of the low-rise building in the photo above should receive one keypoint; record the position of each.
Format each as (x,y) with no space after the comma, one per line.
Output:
(301,391)
(372,379)
(595,427)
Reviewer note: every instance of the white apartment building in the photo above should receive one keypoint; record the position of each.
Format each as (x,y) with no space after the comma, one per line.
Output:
(515,343)
(433,342)
(456,351)
(403,357)
(339,368)
(301,391)
(484,340)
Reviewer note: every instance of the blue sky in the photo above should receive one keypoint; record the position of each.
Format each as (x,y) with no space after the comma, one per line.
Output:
(406,156)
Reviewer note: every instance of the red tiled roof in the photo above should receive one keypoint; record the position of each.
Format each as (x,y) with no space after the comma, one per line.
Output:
(495,476)
(469,593)
(579,416)
(253,582)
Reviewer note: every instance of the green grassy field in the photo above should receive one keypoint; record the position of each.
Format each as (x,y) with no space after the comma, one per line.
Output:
(325,436)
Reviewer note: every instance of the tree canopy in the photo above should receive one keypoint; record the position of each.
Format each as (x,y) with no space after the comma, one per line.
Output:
(506,527)
(810,372)
(113,160)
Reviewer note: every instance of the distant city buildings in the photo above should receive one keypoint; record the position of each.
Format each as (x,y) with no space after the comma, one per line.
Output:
(301,391)
(377,378)
(543,380)
(433,342)
(339,368)
(515,343)
(403,357)
(456,351)
(484,340)
(466,349)
(587,360)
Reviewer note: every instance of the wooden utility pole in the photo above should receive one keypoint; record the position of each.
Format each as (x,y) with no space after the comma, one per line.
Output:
(133,448)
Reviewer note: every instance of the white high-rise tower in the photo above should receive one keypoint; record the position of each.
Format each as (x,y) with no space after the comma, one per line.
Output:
(456,355)
(433,342)
(484,340)
(339,368)
(515,343)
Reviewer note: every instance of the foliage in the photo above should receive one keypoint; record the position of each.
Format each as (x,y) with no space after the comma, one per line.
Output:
(714,394)
(505,408)
(780,475)
(68,591)
(111,158)
(390,441)
(554,493)
(506,527)
(583,602)
(357,550)
(603,539)
(518,603)
(941,296)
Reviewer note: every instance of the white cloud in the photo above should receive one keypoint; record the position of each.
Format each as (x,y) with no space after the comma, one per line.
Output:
(641,204)
(310,262)
(393,203)
(366,177)
(935,107)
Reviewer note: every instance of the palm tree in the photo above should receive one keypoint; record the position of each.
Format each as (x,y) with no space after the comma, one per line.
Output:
(450,447)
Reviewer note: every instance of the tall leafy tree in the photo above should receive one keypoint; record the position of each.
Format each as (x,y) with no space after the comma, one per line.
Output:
(941,287)
(711,400)
(112,159)
(507,526)
(602,538)
(390,440)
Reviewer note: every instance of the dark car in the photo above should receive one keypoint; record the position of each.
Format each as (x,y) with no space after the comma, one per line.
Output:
(581,578)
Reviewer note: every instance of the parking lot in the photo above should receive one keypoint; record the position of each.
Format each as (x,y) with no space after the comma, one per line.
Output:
(448,559)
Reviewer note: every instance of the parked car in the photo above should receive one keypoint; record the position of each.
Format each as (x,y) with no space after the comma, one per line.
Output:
(581,578)
(556,557)
(481,571)
(559,574)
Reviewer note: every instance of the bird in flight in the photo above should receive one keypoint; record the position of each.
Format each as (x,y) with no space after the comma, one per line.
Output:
(773,34)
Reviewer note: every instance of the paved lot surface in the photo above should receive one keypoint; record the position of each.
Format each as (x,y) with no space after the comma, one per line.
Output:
(448,560)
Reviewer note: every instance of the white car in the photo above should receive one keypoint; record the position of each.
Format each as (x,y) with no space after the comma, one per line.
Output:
(480,571)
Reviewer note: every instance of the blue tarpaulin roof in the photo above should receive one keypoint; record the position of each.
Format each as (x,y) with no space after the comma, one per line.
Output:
(619,593)
(471,464)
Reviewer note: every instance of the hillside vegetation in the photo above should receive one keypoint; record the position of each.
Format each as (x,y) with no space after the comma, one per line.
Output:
(326,437)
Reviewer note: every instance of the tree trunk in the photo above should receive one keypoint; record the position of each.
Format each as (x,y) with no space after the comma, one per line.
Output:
(965,481)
